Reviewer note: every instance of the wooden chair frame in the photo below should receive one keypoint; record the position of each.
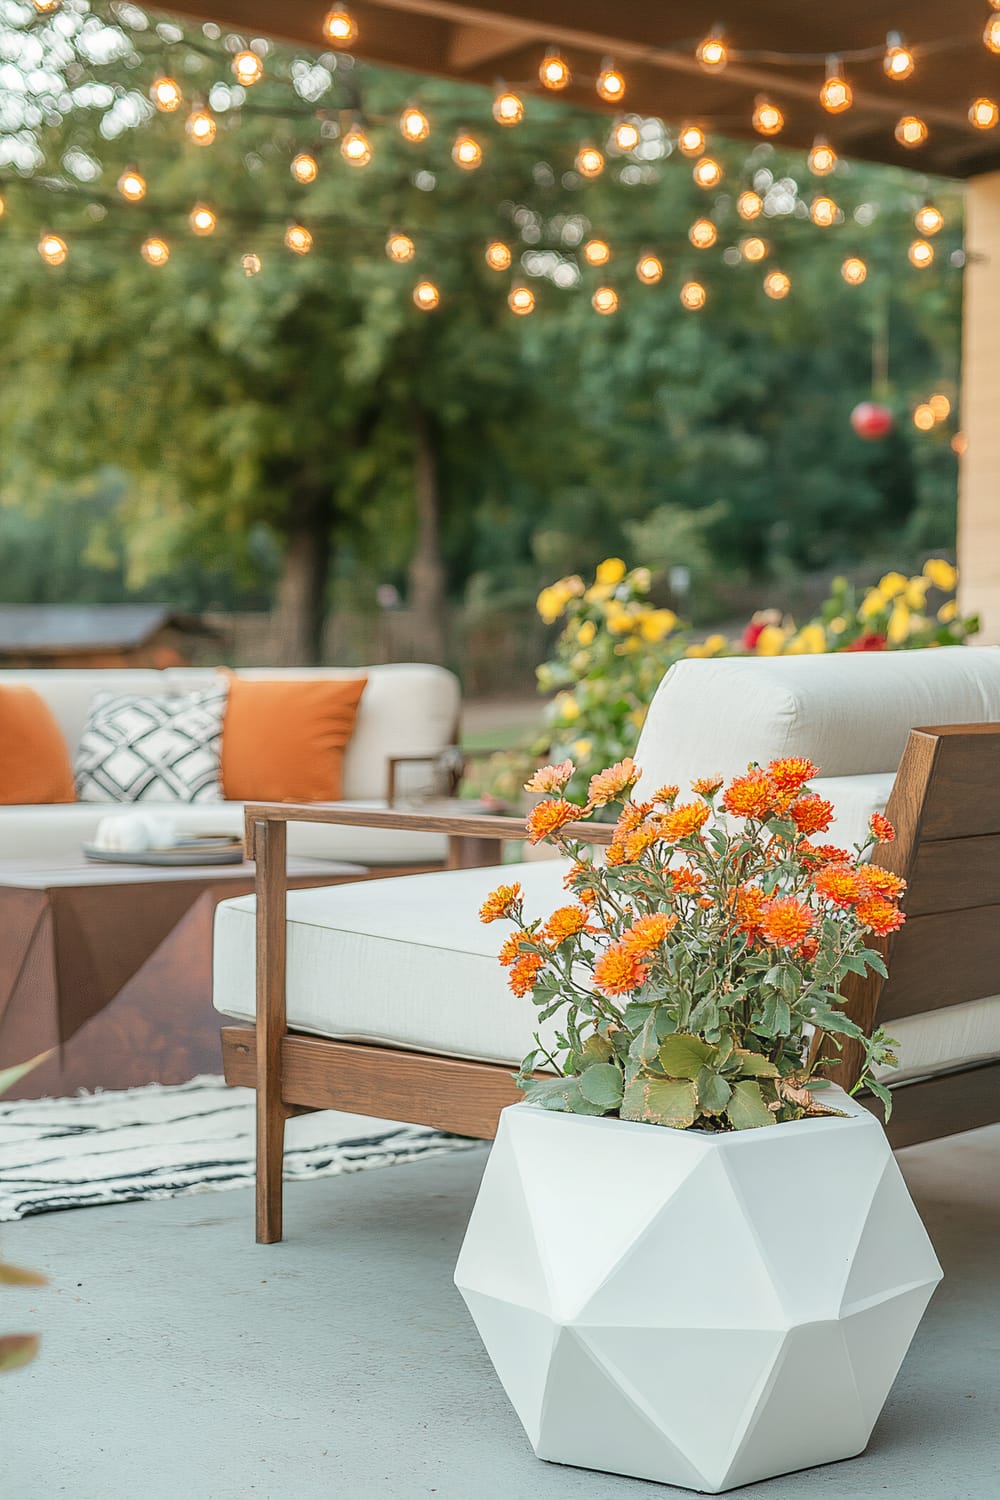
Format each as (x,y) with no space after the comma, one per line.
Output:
(945,806)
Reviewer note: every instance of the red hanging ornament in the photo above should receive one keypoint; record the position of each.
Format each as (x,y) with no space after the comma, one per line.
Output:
(872,421)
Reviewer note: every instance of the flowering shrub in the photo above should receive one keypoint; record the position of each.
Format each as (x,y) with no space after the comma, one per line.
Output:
(685,969)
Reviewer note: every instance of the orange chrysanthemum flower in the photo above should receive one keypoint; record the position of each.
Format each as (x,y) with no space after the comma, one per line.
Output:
(505,901)
(811,814)
(808,949)
(607,785)
(637,843)
(688,818)
(750,796)
(510,950)
(881,828)
(565,922)
(750,909)
(687,882)
(786,922)
(631,817)
(647,933)
(666,796)
(548,817)
(879,882)
(839,884)
(705,786)
(618,972)
(791,773)
(879,915)
(823,854)
(550,778)
(705,901)
(524,973)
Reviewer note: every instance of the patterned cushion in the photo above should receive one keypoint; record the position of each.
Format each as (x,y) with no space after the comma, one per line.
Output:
(137,749)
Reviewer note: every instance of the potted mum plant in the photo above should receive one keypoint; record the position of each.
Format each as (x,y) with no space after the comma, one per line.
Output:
(763,1246)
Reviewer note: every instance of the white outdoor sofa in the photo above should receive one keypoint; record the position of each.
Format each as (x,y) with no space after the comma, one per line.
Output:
(389,1000)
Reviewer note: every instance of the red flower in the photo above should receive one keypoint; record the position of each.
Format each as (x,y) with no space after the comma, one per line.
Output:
(872,642)
(752,635)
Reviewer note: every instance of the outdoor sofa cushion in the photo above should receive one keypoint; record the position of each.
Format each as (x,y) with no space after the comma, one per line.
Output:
(34,761)
(284,740)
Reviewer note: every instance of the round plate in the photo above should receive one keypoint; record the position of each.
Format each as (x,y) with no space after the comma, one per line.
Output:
(198,849)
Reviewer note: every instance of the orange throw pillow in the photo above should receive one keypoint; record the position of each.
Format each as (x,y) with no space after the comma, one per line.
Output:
(34,761)
(283,739)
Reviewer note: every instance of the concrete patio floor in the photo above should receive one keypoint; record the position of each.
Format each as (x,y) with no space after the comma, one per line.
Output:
(181,1360)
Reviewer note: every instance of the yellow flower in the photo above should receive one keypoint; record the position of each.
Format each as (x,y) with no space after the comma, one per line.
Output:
(941,574)
(641,579)
(948,611)
(586,633)
(812,639)
(657,623)
(874,603)
(714,644)
(581,749)
(567,707)
(899,624)
(916,593)
(550,605)
(771,641)
(892,584)
(838,625)
(598,593)
(612,570)
(580,662)
(620,622)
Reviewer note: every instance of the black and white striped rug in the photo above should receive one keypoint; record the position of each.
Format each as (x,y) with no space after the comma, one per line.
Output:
(160,1142)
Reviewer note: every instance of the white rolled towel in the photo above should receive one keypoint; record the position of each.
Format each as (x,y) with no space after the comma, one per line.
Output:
(131,833)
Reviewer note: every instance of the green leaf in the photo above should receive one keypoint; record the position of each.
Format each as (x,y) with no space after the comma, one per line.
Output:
(597,1049)
(881,1092)
(660,1101)
(684,1056)
(562,1095)
(747,1110)
(714,1092)
(601,1083)
(635,1016)
(753,1065)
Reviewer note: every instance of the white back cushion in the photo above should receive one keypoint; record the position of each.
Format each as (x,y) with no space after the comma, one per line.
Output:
(69,693)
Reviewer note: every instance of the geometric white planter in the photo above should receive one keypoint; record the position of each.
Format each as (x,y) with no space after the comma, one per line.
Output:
(701,1310)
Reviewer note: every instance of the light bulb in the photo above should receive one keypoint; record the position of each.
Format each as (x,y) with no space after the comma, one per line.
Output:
(836,95)
(693,295)
(589,161)
(983,113)
(298,239)
(854,270)
(649,269)
(508,108)
(754,248)
(898,61)
(166,94)
(605,300)
(132,185)
(202,220)
(201,127)
(400,247)
(767,118)
(340,27)
(498,256)
(626,135)
(52,249)
(940,406)
(610,84)
(426,296)
(467,153)
(777,285)
(248,68)
(521,300)
(703,234)
(304,167)
(749,205)
(597,252)
(822,158)
(928,219)
(713,53)
(707,172)
(924,418)
(251,264)
(356,148)
(911,131)
(154,251)
(414,124)
(921,254)
(554,71)
(991,36)
(823,212)
(691,140)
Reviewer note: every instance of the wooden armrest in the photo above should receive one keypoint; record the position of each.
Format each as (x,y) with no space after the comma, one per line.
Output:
(478,826)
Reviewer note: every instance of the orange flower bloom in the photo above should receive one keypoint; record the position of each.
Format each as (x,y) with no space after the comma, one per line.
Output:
(685,820)
(706,785)
(839,884)
(749,909)
(791,773)
(510,950)
(808,949)
(607,785)
(637,843)
(505,901)
(524,973)
(811,814)
(881,828)
(687,882)
(705,901)
(879,915)
(548,817)
(879,882)
(823,854)
(666,795)
(617,972)
(750,796)
(786,922)
(647,933)
(565,922)
(550,778)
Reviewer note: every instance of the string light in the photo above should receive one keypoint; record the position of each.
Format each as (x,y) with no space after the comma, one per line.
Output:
(911,131)
(707,172)
(713,53)
(414,124)
(132,185)
(201,127)
(498,256)
(924,418)
(753,248)
(248,68)
(649,269)
(854,270)
(693,296)
(836,95)
(165,93)
(691,140)
(202,220)
(921,254)
(983,113)
(822,158)
(589,161)
(52,249)
(554,71)
(991,36)
(597,252)
(626,135)
(399,247)
(426,296)
(467,153)
(298,239)
(749,205)
(940,406)
(777,285)
(356,148)
(605,300)
(251,264)
(304,167)
(154,251)
(928,219)
(521,300)
(703,234)
(767,118)
(610,84)
(823,212)
(508,108)
(898,61)
(340,27)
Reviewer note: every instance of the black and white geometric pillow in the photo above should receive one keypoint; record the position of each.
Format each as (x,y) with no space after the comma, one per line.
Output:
(137,749)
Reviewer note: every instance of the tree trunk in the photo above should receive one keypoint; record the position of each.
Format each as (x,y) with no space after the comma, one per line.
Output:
(425,574)
(299,614)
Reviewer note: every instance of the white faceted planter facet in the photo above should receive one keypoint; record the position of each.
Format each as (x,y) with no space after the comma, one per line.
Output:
(701,1310)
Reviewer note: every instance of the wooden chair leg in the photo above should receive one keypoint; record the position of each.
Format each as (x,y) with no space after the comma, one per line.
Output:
(269,847)
(270,1161)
